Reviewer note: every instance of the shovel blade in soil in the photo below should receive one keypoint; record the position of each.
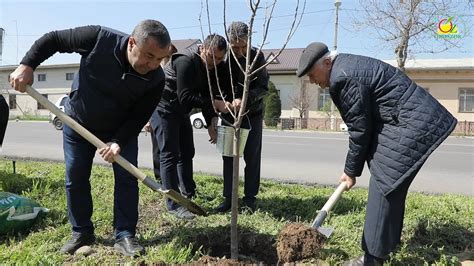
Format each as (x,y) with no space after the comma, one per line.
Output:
(175,196)
(326,231)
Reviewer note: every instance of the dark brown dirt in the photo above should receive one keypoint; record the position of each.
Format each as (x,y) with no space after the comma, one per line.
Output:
(254,248)
(297,242)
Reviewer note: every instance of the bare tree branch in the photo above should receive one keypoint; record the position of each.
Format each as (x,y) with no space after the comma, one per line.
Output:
(291,32)
(408,24)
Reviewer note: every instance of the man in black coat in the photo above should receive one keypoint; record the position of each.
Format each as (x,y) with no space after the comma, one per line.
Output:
(253,120)
(118,85)
(4,112)
(394,125)
(187,87)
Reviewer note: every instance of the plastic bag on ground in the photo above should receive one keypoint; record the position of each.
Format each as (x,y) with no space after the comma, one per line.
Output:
(17,213)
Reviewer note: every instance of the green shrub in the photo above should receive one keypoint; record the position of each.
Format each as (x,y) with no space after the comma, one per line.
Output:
(272,106)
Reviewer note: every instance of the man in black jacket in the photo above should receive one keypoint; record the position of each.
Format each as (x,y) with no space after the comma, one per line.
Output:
(187,87)
(4,112)
(394,125)
(238,34)
(118,85)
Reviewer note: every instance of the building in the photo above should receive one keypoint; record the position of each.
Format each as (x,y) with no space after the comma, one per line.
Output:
(451,81)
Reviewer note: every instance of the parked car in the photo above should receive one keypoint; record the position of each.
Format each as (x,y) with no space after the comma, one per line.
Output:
(197,120)
(343,127)
(57,123)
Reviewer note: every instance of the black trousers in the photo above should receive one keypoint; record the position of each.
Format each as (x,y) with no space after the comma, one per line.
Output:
(252,158)
(4,112)
(174,135)
(155,150)
(384,219)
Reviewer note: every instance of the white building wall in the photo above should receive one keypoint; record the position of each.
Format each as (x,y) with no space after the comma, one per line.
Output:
(289,85)
(54,86)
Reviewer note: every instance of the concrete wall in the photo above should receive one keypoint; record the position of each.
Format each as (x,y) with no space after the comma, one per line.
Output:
(445,86)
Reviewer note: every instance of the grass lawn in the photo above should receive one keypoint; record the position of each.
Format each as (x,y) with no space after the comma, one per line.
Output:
(439,229)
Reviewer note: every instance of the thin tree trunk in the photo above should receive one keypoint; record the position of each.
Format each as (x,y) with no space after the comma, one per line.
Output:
(234,236)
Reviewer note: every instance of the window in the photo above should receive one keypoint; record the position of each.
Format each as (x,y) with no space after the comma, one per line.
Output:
(466,100)
(69,76)
(41,77)
(323,98)
(39,106)
(12,101)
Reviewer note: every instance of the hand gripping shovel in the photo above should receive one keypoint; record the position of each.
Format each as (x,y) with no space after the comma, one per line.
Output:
(318,221)
(149,182)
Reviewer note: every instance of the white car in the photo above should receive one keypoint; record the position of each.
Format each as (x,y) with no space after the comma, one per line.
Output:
(57,123)
(197,120)
(343,127)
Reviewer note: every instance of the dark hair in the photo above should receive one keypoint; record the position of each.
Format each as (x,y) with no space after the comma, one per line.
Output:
(150,28)
(215,41)
(237,31)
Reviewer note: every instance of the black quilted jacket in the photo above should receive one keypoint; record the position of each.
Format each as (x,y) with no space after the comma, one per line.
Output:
(393,123)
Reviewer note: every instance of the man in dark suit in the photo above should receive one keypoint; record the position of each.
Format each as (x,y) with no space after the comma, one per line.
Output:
(4,112)
(118,85)
(253,120)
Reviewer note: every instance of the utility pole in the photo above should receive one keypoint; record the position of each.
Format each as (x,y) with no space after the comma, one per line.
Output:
(1,43)
(337,4)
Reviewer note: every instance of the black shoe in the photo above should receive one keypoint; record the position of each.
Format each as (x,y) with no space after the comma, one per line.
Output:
(129,246)
(183,213)
(365,260)
(370,260)
(249,204)
(224,206)
(77,240)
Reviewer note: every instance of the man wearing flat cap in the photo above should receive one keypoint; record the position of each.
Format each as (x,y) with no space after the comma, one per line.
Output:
(393,124)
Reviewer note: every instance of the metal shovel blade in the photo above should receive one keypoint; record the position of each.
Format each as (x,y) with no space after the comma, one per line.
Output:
(326,231)
(185,202)
(323,213)
(175,196)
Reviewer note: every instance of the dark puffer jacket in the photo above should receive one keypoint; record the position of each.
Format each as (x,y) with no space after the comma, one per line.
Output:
(393,123)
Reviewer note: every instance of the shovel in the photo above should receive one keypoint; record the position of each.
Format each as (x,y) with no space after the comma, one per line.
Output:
(148,181)
(318,221)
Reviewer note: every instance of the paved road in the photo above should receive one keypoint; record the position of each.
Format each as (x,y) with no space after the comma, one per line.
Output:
(290,156)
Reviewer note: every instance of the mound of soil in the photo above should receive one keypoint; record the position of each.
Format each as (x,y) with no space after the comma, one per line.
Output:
(297,241)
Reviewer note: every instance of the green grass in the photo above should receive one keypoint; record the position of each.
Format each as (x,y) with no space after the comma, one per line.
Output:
(28,117)
(439,229)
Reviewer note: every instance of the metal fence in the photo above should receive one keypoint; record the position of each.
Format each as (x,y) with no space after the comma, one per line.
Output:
(464,128)
(307,123)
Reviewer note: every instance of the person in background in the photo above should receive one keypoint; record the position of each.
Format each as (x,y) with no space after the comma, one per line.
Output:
(4,113)
(187,87)
(393,125)
(238,34)
(148,128)
(118,85)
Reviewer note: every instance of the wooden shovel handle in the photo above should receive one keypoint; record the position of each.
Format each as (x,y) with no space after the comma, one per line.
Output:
(334,197)
(83,131)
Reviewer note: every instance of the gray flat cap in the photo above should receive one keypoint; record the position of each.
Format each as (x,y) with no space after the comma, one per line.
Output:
(310,55)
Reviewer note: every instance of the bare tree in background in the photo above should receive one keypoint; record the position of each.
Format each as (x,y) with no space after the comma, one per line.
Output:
(249,73)
(302,100)
(409,25)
